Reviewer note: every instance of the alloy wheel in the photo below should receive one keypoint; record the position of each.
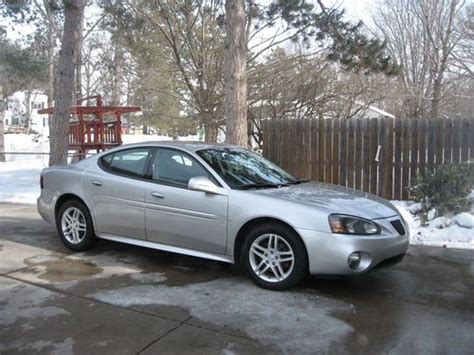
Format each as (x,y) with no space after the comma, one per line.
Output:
(73,225)
(271,258)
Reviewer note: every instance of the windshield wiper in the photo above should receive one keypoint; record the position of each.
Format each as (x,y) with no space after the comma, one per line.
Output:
(260,186)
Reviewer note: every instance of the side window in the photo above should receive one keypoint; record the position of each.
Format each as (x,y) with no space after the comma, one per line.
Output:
(176,168)
(130,162)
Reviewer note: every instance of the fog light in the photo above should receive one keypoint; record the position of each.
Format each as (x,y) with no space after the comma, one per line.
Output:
(354,260)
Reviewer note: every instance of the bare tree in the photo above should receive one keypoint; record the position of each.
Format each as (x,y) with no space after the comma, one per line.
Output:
(192,32)
(424,36)
(70,45)
(300,85)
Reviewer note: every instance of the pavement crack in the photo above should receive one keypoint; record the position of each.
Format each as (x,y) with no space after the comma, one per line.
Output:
(169,331)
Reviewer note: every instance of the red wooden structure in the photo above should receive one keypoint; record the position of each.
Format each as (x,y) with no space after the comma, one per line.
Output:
(89,131)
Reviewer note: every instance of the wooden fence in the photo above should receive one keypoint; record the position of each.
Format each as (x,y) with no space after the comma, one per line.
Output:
(380,156)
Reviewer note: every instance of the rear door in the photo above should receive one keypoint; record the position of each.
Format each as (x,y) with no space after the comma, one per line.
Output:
(117,188)
(178,216)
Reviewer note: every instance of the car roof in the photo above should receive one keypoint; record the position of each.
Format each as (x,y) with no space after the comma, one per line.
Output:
(191,146)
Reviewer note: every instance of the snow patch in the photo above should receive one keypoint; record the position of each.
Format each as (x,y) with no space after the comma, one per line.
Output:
(152,277)
(464,219)
(431,214)
(19,181)
(26,302)
(440,222)
(442,231)
(415,208)
(267,316)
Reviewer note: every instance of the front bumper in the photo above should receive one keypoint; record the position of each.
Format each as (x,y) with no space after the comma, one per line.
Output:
(328,253)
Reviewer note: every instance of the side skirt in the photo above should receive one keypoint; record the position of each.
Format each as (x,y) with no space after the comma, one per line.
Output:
(169,248)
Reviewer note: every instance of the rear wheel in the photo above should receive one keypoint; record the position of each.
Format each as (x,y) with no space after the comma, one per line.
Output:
(274,257)
(74,226)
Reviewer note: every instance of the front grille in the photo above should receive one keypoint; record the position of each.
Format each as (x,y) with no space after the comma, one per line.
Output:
(397,224)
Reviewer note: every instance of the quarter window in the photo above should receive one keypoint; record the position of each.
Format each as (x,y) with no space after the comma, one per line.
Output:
(176,168)
(130,162)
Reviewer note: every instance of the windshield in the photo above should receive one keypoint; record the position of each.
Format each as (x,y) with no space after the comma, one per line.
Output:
(243,169)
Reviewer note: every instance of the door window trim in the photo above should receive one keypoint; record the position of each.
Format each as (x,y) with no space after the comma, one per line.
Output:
(143,176)
(149,171)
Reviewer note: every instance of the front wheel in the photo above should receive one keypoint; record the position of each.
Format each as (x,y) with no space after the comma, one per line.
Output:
(275,257)
(74,226)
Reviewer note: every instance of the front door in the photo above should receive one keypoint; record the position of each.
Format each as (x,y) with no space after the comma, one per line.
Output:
(178,216)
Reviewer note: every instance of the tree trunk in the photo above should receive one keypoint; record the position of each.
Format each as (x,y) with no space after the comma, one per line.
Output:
(28,111)
(236,73)
(211,131)
(50,74)
(2,115)
(117,74)
(74,10)
(50,49)
(78,92)
(436,98)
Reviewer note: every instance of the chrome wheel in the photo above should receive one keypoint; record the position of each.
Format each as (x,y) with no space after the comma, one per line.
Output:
(271,258)
(73,225)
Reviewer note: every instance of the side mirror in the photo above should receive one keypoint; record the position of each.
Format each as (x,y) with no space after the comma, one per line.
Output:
(204,184)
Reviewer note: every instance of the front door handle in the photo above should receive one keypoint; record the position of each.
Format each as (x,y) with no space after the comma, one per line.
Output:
(157,195)
(96,183)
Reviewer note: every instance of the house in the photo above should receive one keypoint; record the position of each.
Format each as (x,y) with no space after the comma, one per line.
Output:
(371,111)
(22,105)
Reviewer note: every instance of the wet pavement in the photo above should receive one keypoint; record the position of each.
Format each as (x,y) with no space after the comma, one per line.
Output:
(123,299)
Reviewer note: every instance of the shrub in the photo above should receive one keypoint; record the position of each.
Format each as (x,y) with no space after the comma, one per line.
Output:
(445,189)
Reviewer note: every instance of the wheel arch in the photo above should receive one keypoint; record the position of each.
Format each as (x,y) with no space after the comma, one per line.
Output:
(71,196)
(249,225)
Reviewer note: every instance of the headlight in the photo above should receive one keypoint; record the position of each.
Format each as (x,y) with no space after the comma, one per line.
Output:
(343,224)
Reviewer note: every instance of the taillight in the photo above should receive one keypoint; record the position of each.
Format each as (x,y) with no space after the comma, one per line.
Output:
(41,180)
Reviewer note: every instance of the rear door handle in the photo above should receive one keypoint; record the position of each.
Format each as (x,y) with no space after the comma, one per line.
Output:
(157,195)
(96,183)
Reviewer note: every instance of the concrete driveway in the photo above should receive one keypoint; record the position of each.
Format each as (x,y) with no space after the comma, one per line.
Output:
(122,299)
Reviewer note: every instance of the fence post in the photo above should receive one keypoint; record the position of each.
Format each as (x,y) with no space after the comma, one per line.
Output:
(465,140)
(373,152)
(414,150)
(366,155)
(335,151)
(343,153)
(321,159)
(358,153)
(406,158)
(350,154)
(388,159)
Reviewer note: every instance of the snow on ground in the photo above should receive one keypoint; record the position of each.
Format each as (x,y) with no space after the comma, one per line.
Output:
(19,180)
(441,231)
(19,183)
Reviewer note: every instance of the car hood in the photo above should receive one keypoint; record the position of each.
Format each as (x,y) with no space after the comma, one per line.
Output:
(333,199)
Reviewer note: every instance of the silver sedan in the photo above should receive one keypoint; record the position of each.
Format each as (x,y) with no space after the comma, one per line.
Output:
(224,203)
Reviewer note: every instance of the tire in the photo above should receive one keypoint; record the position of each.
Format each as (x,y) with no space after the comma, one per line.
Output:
(80,234)
(259,256)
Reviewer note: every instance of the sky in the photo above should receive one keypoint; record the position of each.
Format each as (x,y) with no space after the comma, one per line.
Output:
(355,10)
